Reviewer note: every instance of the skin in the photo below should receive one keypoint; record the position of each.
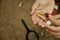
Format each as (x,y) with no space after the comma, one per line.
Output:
(33,13)
(37,8)
(55,31)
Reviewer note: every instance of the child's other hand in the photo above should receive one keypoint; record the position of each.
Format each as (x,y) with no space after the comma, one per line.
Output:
(54,31)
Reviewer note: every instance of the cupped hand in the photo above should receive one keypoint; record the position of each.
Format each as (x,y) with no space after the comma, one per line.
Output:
(37,20)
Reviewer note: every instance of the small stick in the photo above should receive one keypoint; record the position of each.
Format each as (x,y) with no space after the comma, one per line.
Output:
(48,22)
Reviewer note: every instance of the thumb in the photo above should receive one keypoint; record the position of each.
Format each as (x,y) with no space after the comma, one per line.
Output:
(57,16)
(51,18)
(33,11)
(53,28)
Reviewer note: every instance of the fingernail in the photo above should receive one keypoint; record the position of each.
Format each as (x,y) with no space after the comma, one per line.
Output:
(34,22)
(42,26)
(39,24)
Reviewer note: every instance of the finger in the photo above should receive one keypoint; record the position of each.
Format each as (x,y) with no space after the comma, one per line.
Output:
(38,11)
(57,36)
(40,8)
(41,23)
(35,6)
(54,33)
(57,22)
(33,11)
(38,19)
(34,19)
(53,28)
(53,20)
(57,16)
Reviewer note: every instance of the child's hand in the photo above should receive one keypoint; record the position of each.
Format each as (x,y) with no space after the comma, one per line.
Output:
(54,31)
(35,18)
(37,8)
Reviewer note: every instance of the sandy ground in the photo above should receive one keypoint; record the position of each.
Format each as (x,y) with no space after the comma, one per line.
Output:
(11,14)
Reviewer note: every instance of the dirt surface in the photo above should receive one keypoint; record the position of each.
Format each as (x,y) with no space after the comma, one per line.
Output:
(11,27)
